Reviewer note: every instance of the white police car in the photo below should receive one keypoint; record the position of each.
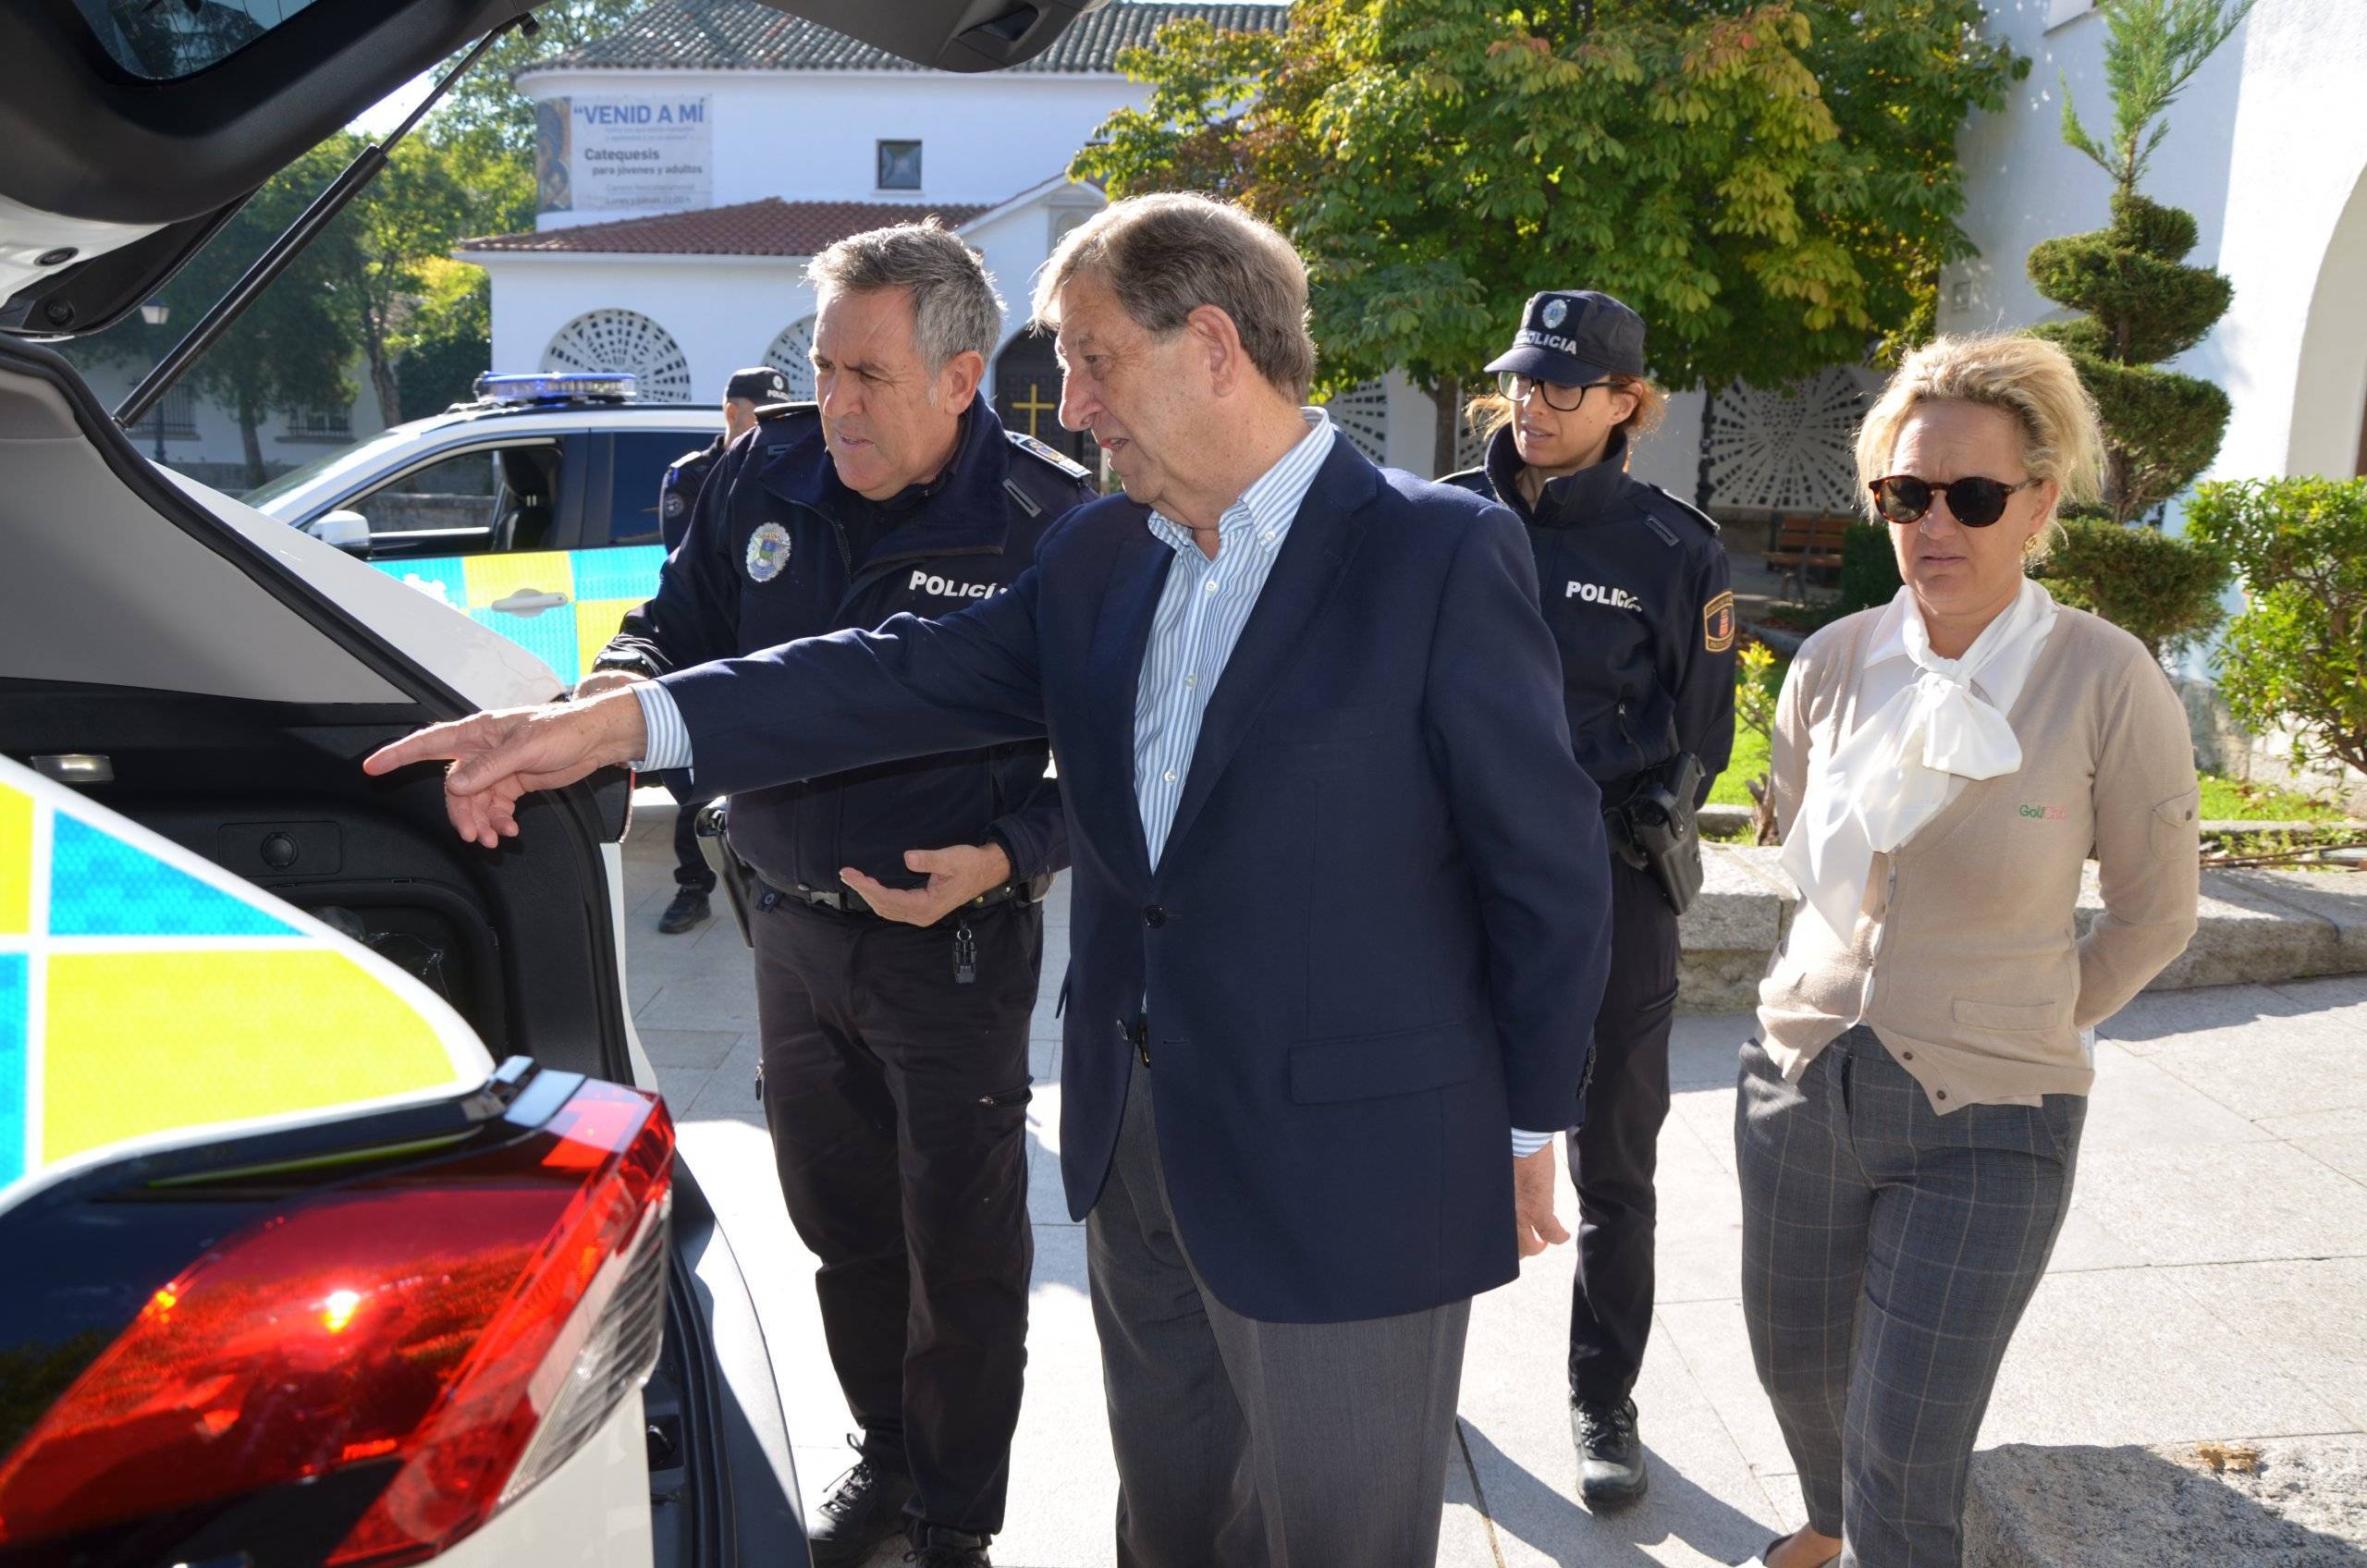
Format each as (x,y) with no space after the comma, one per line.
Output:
(298,1275)
(532,507)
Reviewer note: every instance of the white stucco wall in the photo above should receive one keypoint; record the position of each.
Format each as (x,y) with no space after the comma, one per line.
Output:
(812,136)
(2295,243)
(2266,149)
(723,312)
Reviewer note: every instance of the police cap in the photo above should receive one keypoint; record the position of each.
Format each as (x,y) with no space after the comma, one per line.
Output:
(1574,337)
(758,384)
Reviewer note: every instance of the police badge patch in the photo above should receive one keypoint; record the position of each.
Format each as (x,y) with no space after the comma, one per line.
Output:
(767,552)
(1718,624)
(1555,312)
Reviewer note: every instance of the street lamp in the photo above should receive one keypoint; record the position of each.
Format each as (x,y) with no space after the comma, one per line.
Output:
(155,313)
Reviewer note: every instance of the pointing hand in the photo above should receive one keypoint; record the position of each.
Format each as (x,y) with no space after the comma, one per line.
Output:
(498,756)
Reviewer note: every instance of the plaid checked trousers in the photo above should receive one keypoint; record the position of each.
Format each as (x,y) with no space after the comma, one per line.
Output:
(1887,1254)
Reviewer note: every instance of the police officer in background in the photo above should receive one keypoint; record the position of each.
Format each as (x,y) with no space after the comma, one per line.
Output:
(896,918)
(1634,588)
(747,391)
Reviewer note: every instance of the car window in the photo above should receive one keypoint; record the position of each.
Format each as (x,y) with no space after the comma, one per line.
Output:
(163,42)
(498,498)
(640,465)
(367,456)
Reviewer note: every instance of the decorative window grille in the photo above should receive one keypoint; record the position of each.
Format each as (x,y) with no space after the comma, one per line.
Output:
(626,340)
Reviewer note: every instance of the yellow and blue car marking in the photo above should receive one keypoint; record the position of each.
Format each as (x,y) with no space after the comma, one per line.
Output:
(600,585)
(146,993)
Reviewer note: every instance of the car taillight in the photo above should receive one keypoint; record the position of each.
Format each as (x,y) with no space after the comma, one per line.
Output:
(470,1323)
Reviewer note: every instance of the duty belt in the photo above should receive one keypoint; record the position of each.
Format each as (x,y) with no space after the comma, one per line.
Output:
(847,901)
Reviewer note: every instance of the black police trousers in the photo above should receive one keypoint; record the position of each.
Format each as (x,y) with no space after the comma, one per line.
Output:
(691,867)
(1615,1154)
(897,1098)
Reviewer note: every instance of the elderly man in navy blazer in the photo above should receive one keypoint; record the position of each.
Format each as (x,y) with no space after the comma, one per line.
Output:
(1340,903)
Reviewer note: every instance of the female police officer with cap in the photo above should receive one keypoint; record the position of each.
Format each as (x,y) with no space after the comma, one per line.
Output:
(1635,587)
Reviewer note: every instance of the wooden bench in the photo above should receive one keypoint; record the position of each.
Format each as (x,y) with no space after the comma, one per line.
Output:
(1799,546)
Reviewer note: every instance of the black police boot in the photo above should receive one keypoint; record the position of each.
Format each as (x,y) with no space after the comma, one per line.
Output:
(934,1545)
(863,1508)
(688,909)
(1610,1457)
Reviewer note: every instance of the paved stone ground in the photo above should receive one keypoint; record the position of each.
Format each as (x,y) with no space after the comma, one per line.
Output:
(2209,1285)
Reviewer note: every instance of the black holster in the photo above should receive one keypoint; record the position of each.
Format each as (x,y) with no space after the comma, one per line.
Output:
(1653,828)
(739,878)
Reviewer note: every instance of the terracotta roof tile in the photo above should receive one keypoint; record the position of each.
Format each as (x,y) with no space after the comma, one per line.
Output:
(744,35)
(769,228)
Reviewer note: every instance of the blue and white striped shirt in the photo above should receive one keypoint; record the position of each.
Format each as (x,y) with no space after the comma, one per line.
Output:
(1201,612)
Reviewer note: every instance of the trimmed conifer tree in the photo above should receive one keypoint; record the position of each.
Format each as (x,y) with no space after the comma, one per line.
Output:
(2141,304)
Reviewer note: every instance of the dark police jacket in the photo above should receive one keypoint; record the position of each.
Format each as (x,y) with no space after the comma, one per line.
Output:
(726,591)
(1635,587)
(1374,941)
(678,490)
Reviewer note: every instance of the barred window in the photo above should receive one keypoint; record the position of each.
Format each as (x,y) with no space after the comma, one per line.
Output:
(321,425)
(178,412)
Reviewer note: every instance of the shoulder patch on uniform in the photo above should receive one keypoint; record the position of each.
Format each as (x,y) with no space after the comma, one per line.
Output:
(1036,449)
(1718,624)
(1672,510)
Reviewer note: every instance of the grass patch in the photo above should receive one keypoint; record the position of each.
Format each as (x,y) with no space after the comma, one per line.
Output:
(1750,761)
(2232,800)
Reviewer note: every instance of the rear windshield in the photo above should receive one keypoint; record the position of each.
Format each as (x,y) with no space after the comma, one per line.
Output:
(164,39)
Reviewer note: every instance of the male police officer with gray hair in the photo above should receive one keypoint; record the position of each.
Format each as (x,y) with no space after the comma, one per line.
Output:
(747,391)
(896,919)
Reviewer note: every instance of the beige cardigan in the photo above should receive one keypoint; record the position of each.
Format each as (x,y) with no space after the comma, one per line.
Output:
(1965,959)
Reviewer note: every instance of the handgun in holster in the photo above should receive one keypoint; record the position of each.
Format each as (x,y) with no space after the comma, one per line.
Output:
(739,878)
(1655,829)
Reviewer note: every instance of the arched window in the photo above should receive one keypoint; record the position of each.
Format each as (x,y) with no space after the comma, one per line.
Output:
(624,340)
(792,355)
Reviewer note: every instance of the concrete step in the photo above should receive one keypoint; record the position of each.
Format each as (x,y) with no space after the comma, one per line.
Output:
(2285,1504)
(2255,927)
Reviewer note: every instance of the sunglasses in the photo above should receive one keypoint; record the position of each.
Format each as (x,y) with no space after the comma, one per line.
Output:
(1976,503)
(1517,388)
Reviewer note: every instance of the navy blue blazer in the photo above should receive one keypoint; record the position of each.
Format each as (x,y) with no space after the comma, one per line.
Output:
(1379,933)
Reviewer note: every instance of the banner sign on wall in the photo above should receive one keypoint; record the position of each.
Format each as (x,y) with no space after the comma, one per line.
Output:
(623,153)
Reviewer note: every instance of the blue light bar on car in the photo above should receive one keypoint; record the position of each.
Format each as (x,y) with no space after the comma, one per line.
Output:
(555,387)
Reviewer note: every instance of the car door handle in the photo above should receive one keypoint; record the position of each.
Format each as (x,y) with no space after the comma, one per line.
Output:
(529,602)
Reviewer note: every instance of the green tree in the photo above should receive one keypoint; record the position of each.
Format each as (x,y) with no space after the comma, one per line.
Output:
(448,341)
(291,347)
(485,111)
(403,223)
(2297,657)
(2162,591)
(1773,185)
(2141,304)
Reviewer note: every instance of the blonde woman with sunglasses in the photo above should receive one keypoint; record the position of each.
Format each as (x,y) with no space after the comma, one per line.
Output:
(1909,1113)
